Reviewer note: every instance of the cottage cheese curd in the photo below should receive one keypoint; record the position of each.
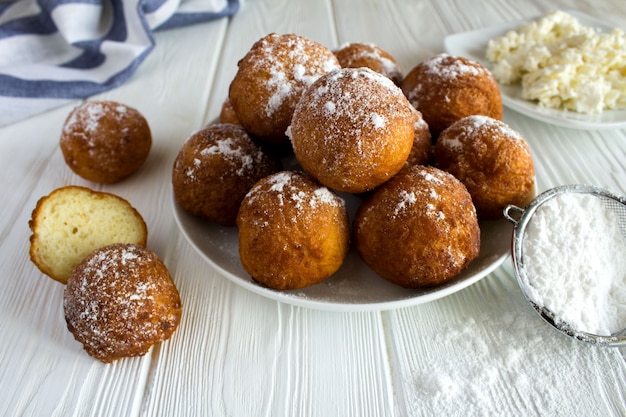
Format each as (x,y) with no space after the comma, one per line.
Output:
(563,64)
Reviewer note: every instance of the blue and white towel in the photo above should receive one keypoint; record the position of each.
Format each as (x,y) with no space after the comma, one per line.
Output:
(53,52)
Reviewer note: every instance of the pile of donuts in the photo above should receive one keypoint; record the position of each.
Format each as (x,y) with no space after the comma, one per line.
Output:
(427,155)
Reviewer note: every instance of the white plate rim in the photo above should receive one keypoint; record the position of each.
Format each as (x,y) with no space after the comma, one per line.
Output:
(292,297)
(472,44)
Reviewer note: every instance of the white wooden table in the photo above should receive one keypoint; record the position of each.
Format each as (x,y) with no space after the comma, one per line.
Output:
(481,351)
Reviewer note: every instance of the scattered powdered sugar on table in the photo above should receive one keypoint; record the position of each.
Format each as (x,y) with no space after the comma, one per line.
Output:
(502,363)
(575,263)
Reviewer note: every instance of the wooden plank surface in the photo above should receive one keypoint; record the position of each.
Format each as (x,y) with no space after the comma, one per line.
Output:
(481,351)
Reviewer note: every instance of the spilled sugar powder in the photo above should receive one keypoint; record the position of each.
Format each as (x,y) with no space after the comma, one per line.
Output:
(575,263)
(497,361)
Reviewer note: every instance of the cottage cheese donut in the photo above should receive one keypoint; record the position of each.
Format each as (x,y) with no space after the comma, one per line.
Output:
(72,221)
(293,233)
(492,160)
(105,141)
(356,55)
(419,229)
(119,301)
(353,130)
(447,88)
(214,170)
(271,79)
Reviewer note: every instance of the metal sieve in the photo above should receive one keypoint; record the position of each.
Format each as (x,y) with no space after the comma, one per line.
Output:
(521,218)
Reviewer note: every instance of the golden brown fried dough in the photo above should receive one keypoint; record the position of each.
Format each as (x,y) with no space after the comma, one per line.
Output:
(293,232)
(492,160)
(214,170)
(419,229)
(447,88)
(271,79)
(227,113)
(119,301)
(105,141)
(422,149)
(356,55)
(353,130)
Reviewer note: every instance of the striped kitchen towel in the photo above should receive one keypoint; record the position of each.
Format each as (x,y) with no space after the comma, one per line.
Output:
(53,52)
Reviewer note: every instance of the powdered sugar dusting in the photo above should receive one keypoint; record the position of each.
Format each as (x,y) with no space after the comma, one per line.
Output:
(431,177)
(229,149)
(465,132)
(446,69)
(90,113)
(241,157)
(406,199)
(282,89)
(378,121)
(115,302)
(449,67)
(353,98)
(358,53)
(478,122)
(287,186)
(425,197)
(293,63)
(94,114)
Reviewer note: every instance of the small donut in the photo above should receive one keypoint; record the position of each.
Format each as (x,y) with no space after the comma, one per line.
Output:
(419,229)
(293,232)
(270,80)
(214,170)
(446,88)
(105,141)
(119,301)
(492,160)
(355,55)
(353,130)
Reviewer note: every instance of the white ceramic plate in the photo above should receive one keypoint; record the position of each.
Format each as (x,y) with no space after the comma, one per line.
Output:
(355,287)
(473,45)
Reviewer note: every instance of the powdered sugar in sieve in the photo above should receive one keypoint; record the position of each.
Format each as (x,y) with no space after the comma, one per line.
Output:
(569,254)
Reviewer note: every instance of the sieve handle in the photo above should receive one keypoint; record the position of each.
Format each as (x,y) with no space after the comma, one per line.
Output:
(513,209)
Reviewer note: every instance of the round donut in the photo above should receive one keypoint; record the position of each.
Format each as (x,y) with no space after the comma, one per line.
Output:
(119,301)
(446,88)
(353,130)
(105,141)
(293,232)
(492,160)
(419,229)
(270,80)
(214,170)
(355,55)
